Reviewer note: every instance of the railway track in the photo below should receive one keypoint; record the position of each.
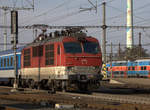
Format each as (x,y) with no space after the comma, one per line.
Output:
(115,98)
(95,100)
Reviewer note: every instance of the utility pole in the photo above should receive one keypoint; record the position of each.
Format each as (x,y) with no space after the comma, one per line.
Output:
(14,32)
(111,55)
(104,40)
(119,50)
(5,30)
(104,34)
(140,45)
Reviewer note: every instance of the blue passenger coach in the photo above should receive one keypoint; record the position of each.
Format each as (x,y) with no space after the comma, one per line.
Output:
(7,64)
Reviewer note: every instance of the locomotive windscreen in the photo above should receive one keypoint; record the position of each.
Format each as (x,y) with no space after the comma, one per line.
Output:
(75,47)
(91,47)
(72,47)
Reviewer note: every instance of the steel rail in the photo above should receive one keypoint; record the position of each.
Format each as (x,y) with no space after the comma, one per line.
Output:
(114,98)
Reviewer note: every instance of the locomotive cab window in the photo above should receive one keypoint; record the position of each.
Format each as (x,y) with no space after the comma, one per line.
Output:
(91,47)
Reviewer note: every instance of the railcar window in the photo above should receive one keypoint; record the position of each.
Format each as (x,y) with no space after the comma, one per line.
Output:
(17,57)
(133,68)
(27,57)
(4,62)
(128,68)
(72,47)
(7,62)
(91,47)
(144,67)
(1,62)
(49,54)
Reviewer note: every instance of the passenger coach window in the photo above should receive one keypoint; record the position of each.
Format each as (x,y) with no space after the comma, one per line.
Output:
(1,62)
(11,61)
(128,68)
(91,47)
(49,54)
(4,62)
(142,68)
(27,57)
(7,62)
(133,68)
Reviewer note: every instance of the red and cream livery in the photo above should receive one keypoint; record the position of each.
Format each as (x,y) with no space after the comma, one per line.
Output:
(62,61)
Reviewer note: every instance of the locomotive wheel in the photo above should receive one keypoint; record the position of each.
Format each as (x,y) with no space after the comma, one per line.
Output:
(64,84)
(83,86)
(11,82)
(23,83)
(31,84)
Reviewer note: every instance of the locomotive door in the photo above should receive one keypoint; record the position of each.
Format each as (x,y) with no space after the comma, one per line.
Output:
(58,58)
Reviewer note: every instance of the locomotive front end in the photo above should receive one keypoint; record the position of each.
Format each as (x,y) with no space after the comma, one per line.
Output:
(85,77)
(83,62)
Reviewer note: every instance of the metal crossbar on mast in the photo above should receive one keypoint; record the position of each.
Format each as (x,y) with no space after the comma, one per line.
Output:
(80,26)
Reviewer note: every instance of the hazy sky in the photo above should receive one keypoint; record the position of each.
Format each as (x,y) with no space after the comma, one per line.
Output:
(66,12)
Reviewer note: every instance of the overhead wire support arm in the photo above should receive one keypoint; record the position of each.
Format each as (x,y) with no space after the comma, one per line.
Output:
(94,7)
(15,8)
(83,26)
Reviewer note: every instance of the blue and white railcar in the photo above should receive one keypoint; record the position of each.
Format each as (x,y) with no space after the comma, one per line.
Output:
(7,64)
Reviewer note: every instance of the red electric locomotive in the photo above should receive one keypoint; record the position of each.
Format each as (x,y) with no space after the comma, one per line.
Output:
(62,60)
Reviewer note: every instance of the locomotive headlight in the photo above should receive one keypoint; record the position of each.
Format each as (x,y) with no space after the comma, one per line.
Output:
(96,67)
(70,69)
